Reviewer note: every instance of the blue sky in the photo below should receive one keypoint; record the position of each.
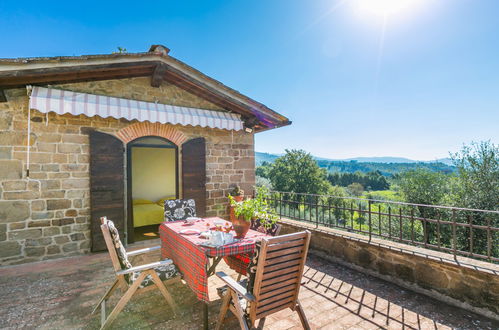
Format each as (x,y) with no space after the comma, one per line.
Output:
(432,86)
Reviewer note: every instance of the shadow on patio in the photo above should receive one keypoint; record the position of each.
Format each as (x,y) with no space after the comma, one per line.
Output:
(60,294)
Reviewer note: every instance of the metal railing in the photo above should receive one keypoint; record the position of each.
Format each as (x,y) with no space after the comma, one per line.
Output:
(460,231)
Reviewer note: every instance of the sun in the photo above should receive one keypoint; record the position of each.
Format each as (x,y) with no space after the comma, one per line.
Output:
(386,7)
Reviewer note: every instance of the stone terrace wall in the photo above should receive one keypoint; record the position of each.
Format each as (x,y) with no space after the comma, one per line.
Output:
(466,283)
(48,215)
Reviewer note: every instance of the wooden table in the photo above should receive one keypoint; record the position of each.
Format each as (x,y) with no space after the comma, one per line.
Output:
(193,260)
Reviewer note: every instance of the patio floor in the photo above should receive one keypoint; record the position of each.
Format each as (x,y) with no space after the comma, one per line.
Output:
(60,294)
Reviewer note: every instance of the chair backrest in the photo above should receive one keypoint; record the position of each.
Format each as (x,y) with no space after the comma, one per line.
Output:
(279,272)
(272,230)
(114,245)
(179,209)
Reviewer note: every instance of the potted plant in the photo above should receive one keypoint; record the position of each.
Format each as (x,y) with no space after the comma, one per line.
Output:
(250,209)
(237,194)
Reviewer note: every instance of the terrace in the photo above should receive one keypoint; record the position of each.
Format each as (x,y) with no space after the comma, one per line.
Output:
(372,264)
(60,294)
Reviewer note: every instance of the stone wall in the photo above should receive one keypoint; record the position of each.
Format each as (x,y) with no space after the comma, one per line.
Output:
(48,215)
(464,282)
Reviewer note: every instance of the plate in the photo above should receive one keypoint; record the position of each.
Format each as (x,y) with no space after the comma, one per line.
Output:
(190,232)
(211,245)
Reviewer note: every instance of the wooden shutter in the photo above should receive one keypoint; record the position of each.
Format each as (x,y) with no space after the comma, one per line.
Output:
(194,173)
(106,185)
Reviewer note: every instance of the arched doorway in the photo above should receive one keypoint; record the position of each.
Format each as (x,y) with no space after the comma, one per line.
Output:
(111,181)
(152,178)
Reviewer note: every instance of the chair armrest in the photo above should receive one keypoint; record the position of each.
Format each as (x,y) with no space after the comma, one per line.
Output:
(144,267)
(141,251)
(235,286)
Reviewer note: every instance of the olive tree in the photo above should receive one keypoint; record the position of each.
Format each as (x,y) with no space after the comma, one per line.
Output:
(477,187)
(425,187)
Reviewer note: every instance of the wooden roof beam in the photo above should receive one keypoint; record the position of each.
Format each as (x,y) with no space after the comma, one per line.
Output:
(74,78)
(17,78)
(3,98)
(158,74)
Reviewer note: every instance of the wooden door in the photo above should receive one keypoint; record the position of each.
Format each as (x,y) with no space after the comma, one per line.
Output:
(106,185)
(194,173)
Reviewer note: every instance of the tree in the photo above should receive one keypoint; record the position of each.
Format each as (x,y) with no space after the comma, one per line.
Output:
(263,170)
(373,180)
(478,176)
(263,182)
(298,172)
(477,187)
(336,191)
(355,189)
(334,199)
(423,186)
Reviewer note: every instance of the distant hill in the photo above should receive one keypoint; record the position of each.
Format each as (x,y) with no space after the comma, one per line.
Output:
(446,161)
(261,157)
(387,169)
(371,159)
(386,165)
(268,157)
(381,160)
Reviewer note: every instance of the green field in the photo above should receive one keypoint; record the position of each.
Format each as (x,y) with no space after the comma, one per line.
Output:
(384,195)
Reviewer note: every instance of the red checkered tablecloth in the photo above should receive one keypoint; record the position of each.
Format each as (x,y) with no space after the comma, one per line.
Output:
(192,259)
(239,262)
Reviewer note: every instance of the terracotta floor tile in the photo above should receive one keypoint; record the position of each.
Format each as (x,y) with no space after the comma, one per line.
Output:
(61,293)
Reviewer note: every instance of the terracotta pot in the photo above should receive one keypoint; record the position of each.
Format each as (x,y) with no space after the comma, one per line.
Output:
(237,199)
(241,227)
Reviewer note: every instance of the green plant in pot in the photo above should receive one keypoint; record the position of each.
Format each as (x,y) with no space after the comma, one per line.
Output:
(250,209)
(237,193)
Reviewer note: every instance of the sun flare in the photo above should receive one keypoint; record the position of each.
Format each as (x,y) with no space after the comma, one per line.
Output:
(387,7)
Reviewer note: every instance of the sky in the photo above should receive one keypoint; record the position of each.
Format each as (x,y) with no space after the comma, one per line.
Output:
(418,82)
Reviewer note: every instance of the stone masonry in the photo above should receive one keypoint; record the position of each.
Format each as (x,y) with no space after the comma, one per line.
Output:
(48,215)
(463,282)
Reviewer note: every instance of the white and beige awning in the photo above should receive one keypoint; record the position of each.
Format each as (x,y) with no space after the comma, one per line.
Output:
(60,101)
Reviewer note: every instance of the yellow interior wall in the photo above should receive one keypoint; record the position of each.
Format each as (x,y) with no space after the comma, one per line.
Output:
(153,173)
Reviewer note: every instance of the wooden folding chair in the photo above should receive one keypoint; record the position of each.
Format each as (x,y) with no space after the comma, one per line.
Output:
(273,284)
(272,230)
(131,279)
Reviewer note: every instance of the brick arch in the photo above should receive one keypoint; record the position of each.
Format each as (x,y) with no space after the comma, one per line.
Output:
(141,129)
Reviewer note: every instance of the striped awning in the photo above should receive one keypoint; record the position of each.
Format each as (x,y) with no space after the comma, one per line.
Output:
(60,101)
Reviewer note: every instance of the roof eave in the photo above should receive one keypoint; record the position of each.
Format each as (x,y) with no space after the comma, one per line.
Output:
(21,65)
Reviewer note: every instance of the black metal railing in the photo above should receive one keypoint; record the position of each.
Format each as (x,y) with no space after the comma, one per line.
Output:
(459,231)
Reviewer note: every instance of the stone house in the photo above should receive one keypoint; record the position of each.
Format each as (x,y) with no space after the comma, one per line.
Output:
(75,137)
